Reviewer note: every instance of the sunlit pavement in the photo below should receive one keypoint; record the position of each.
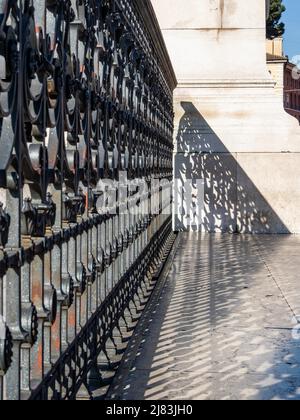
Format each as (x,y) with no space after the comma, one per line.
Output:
(223,326)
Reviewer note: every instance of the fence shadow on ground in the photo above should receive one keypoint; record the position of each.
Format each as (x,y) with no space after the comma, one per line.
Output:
(222,328)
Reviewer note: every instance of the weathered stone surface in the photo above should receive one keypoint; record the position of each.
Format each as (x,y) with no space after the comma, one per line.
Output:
(210,39)
(268,194)
(209,14)
(232,196)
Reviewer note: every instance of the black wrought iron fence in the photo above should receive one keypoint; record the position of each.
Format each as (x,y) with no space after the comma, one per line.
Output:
(85,93)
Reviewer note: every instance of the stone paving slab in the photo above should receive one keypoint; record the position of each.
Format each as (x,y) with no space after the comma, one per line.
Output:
(223,325)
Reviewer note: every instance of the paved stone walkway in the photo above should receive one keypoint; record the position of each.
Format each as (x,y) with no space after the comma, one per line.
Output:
(222,327)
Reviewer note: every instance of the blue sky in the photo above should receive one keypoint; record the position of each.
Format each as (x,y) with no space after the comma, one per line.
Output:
(291,19)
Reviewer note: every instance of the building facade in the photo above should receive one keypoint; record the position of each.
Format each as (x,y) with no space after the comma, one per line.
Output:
(285,75)
(276,62)
(292,90)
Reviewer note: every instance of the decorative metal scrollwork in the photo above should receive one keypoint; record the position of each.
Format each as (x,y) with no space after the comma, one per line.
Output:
(85,94)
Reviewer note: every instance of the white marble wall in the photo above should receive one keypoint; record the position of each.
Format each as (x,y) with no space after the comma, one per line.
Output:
(230,125)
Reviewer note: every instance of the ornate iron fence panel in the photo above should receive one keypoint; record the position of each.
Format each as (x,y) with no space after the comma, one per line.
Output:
(85,93)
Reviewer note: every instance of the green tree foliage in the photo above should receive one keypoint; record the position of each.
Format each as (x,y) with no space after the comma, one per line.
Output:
(275,28)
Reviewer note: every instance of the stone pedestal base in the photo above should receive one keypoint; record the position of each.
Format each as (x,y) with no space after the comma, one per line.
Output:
(230,128)
(240,141)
